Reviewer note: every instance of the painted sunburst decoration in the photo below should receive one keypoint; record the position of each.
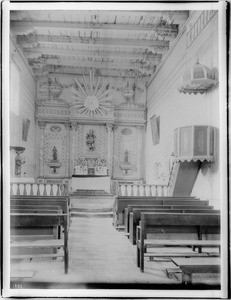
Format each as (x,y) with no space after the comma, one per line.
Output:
(92,96)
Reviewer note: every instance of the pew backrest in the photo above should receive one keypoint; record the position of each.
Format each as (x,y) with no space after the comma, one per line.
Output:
(130,208)
(63,203)
(35,210)
(135,217)
(199,221)
(37,220)
(35,206)
(121,204)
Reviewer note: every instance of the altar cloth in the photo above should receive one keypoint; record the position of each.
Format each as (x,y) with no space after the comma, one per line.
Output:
(89,182)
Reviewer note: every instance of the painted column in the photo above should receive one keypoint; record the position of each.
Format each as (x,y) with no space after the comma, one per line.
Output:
(42,125)
(109,128)
(78,141)
(72,159)
(141,159)
(67,158)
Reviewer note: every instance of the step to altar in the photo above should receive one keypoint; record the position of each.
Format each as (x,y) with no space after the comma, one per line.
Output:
(90,214)
(99,204)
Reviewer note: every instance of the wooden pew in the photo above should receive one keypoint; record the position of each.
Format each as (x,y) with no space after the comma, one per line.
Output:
(135,216)
(36,207)
(35,210)
(166,225)
(62,201)
(65,197)
(122,203)
(29,220)
(129,209)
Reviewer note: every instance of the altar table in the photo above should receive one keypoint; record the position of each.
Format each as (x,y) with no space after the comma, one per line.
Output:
(88,182)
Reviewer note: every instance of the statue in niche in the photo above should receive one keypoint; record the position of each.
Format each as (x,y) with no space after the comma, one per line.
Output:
(126,166)
(54,164)
(18,164)
(55,155)
(90,140)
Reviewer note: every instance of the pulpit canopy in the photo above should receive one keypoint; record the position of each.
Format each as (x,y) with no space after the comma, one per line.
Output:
(198,79)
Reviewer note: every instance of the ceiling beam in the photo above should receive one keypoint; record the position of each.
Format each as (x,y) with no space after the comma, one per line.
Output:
(70,70)
(179,16)
(90,63)
(72,40)
(155,58)
(166,30)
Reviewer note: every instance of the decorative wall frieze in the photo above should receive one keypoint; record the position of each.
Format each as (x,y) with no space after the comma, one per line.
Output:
(133,114)
(130,114)
(199,25)
(46,111)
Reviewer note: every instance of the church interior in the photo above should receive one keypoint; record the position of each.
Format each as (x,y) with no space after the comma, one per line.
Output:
(115,157)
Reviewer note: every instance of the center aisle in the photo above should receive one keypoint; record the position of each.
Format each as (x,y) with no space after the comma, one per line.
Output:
(101,254)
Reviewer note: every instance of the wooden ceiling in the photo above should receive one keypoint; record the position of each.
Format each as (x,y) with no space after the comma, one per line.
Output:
(113,43)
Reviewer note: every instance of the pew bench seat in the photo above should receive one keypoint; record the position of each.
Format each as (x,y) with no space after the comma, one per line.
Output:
(180,243)
(38,244)
(190,266)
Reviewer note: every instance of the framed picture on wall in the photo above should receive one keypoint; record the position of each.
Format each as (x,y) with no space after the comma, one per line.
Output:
(25,129)
(155,127)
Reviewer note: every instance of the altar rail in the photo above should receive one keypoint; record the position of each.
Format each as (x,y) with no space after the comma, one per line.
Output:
(142,190)
(38,189)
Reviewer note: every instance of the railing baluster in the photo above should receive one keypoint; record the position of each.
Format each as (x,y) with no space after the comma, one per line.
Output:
(159,190)
(45,190)
(58,191)
(18,189)
(135,190)
(132,193)
(51,192)
(165,190)
(24,190)
(31,190)
(38,191)
(122,189)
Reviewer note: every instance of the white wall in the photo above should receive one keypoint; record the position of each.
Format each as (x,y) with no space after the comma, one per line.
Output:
(178,110)
(24,110)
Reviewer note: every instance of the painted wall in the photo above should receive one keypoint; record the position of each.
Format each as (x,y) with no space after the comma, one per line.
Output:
(22,108)
(128,153)
(177,110)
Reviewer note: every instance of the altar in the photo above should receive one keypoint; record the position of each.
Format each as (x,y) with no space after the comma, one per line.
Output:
(91,173)
(91,182)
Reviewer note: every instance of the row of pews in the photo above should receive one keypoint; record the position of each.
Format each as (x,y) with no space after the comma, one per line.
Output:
(39,227)
(183,230)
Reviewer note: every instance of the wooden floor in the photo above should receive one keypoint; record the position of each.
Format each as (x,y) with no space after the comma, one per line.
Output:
(99,256)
